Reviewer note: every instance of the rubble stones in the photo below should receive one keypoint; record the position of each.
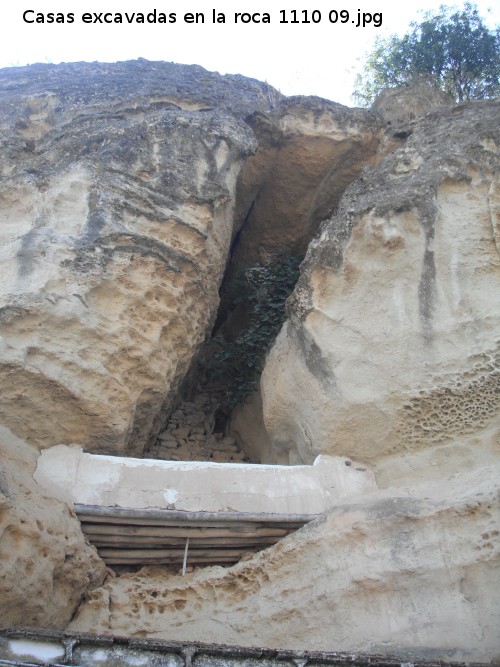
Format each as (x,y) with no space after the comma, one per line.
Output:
(189,436)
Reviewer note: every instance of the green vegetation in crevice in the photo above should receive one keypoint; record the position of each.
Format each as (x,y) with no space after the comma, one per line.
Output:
(234,363)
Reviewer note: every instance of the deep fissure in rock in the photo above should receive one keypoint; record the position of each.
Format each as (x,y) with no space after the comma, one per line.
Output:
(284,191)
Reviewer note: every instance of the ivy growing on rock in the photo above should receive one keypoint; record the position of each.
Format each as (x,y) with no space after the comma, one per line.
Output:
(234,364)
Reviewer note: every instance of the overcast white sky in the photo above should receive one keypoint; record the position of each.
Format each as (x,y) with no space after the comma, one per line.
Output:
(312,59)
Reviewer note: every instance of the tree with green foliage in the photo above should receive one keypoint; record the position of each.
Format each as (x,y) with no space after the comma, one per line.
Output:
(451,49)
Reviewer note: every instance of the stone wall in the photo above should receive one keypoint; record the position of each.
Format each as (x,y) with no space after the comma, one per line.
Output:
(18,647)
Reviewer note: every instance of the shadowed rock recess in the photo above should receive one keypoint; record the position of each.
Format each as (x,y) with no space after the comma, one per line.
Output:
(134,199)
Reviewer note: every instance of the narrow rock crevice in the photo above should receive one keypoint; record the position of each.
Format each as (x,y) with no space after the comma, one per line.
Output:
(309,151)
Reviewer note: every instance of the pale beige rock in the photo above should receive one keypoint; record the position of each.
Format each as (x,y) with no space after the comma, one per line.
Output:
(397,105)
(310,150)
(114,238)
(123,188)
(116,219)
(248,428)
(46,564)
(391,345)
(170,444)
(181,432)
(166,436)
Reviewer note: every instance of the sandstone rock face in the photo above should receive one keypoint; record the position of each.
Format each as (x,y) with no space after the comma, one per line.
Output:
(46,565)
(128,191)
(397,105)
(120,202)
(309,151)
(392,339)
(121,195)
(117,219)
(388,357)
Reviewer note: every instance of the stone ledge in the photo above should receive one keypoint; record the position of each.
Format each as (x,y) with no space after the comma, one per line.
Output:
(74,476)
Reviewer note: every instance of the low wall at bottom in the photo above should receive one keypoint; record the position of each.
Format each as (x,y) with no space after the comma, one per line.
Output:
(23,648)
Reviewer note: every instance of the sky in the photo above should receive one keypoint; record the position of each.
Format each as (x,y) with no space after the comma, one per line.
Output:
(315,58)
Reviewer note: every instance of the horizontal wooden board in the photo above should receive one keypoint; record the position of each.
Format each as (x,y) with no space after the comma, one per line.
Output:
(285,525)
(173,561)
(158,537)
(95,530)
(118,541)
(145,555)
(115,513)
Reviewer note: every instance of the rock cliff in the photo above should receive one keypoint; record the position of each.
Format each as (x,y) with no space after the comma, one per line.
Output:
(120,200)
(118,207)
(393,326)
(133,194)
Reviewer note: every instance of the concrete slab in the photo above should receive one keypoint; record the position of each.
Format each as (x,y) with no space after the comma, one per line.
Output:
(71,475)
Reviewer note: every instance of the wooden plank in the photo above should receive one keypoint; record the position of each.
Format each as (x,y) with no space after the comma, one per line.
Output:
(177,515)
(173,523)
(173,561)
(183,535)
(157,542)
(95,530)
(144,555)
(176,558)
(148,537)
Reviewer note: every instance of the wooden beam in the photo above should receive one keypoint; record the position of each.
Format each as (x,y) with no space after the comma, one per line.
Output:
(174,561)
(196,558)
(110,513)
(145,555)
(157,542)
(96,530)
(173,523)
(148,537)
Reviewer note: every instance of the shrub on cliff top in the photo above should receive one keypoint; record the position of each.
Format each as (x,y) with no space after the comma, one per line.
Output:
(451,49)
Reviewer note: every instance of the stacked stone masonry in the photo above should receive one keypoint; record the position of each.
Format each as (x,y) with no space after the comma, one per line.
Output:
(189,436)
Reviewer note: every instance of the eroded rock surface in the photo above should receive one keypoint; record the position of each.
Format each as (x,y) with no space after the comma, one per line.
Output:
(121,194)
(120,203)
(393,328)
(399,105)
(393,573)
(46,565)
(124,189)
(310,150)
(117,219)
